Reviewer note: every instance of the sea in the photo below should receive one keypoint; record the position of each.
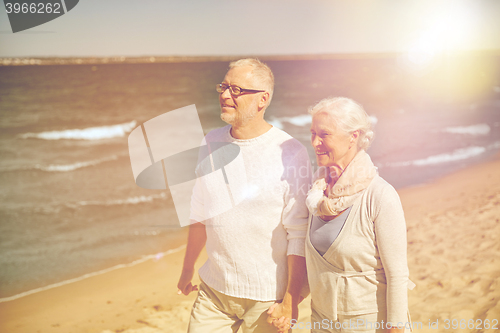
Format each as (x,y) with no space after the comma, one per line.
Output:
(69,205)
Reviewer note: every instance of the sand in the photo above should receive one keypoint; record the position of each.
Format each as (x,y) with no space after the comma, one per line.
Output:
(453,252)
(454,249)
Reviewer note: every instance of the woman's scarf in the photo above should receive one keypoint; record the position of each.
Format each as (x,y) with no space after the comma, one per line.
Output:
(349,185)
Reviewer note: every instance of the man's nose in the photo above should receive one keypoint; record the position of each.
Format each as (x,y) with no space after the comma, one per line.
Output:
(226,94)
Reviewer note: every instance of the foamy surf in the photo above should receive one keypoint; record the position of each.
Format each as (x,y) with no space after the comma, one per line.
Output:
(59,167)
(133,263)
(91,133)
(456,155)
(128,201)
(479,129)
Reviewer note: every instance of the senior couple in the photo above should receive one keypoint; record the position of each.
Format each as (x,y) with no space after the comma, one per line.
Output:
(348,228)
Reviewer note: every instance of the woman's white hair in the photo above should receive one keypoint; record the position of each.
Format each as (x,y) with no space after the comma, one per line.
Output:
(261,72)
(349,117)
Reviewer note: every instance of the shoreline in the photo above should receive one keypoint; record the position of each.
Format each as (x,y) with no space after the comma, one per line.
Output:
(453,254)
(88,275)
(117,297)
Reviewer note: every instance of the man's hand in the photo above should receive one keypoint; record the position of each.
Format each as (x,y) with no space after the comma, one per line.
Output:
(197,238)
(280,314)
(185,286)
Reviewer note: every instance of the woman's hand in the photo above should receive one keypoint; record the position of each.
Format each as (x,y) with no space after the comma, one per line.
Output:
(280,315)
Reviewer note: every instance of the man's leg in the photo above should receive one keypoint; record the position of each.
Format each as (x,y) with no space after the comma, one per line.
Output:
(255,317)
(211,313)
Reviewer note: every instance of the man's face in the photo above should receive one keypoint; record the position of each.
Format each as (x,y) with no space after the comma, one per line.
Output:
(239,110)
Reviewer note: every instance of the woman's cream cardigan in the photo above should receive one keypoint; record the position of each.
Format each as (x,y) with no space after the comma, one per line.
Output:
(365,270)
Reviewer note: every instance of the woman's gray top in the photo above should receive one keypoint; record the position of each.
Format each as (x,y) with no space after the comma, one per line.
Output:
(324,233)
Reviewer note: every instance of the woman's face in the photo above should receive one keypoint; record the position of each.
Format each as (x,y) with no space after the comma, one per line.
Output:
(332,146)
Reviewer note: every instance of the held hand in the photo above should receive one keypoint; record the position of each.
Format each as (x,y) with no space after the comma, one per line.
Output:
(280,315)
(395,329)
(185,286)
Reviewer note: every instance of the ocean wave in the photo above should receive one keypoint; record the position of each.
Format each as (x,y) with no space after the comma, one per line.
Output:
(276,123)
(157,256)
(59,167)
(55,208)
(91,133)
(479,129)
(29,208)
(128,201)
(456,155)
(494,145)
(302,120)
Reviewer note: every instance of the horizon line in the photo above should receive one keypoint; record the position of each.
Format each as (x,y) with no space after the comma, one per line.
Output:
(102,60)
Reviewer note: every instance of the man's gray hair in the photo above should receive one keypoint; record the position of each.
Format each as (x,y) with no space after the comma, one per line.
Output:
(349,117)
(260,71)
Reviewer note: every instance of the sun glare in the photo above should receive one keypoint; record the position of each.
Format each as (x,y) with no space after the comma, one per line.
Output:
(455,30)
(450,28)
(439,53)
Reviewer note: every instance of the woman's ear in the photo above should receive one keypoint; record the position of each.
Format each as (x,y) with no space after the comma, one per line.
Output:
(354,137)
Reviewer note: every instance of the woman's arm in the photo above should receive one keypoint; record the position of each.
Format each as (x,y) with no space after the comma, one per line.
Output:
(390,231)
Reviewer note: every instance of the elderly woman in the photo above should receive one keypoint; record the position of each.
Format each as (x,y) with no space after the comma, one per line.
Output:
(356,244)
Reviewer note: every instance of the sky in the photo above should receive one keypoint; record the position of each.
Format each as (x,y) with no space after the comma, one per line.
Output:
(258,27)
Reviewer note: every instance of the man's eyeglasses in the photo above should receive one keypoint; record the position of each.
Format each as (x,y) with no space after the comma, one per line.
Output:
(235,90)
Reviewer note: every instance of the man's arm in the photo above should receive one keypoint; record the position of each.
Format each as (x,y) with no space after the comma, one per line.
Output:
(295,219)
(280,314)
(196,241)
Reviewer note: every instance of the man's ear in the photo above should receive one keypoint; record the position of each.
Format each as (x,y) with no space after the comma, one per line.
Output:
(263,100)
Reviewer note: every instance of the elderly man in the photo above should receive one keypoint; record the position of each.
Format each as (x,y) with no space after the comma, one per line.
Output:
(256,249)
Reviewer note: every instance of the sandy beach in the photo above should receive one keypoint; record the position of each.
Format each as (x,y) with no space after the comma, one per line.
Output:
(453,251)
